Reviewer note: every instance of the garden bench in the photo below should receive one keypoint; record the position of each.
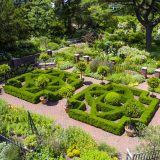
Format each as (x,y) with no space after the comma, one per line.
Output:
(47,65)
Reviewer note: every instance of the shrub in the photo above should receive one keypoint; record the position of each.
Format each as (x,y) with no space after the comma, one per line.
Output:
(4,68)
(95,154)
(151,70)
(66,91)
(9,152)
(94,65)
(139,78)
(111,151)
(103,70)
(42,81)
(133,108)
(53,46)
(44,57)
(127,51)
(66,65)
(78,137)
(31,141)
(73,151)
(113,98)
(153,82)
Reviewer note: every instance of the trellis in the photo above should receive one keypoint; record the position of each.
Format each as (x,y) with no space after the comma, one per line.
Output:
(32,127)
(151,155)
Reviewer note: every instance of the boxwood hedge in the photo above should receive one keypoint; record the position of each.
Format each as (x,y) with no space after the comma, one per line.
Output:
(106,116)
(24,86)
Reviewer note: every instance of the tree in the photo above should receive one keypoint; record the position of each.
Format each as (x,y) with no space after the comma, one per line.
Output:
(13,26)
(103,70)
(67,11)
(147,13)
(153,83)
(8,29)
(81,66)
(41,19)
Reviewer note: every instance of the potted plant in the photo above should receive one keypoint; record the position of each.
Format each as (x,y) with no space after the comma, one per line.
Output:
(132,109)
(81,66)
(153,83)
(44,57)
(103,70)
(4,69)
(41,82)
(66,92)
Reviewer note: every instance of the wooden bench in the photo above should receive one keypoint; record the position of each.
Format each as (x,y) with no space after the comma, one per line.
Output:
(47,65)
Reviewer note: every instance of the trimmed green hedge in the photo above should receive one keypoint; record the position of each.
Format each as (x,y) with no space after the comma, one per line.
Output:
(24,86)
(109,126)
(105,116)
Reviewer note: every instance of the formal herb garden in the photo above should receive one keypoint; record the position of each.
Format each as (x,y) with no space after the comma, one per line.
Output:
(110,107)
(32,85)
(90,64)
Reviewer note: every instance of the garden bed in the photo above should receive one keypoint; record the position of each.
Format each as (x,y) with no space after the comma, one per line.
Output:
(111,117)
(24,86)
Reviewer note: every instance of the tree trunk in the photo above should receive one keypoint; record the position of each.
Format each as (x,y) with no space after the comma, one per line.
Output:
(149,30)
(102,79)
(81,75)
(69,26)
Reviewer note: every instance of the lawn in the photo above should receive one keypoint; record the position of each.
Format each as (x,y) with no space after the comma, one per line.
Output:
(111,106)
(24,86)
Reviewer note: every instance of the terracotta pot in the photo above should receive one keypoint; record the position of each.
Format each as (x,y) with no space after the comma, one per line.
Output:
(102,83)
(44,99)
(153,95)
(67,107)
(130,132)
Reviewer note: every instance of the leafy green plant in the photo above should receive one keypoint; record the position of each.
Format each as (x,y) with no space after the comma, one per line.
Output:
(150,139)
(30,141)
(42,81)
(96,155)
(44,57)
(81,66)
(103,70)
(111,151)
(66,65)
(66,91)
(81,139)
(153,83)
(73,151)
(113,98)
(9,152)
(133,108)
(4,69)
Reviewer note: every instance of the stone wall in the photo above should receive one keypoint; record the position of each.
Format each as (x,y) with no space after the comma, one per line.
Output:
(16,62)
